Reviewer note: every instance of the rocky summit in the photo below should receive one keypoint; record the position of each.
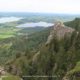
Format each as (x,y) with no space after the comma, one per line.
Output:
(59,30)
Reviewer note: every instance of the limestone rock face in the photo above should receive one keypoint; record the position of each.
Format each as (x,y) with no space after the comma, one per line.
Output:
(59,30)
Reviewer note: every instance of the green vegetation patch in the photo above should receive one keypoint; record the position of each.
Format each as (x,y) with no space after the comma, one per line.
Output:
(11,78)
(75,70)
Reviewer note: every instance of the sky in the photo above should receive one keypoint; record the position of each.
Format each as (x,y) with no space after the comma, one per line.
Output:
(41,6)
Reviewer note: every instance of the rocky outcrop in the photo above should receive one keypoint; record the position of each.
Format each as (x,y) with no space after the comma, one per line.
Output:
(59,30)
(65,78)
(35,56)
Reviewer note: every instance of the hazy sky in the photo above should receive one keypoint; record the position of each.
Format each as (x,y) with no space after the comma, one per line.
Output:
(51,6)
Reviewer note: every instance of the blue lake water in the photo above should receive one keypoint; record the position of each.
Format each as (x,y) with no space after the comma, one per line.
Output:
(37,24)
(28,24)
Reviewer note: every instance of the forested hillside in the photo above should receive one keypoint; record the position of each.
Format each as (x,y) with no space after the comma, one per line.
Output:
(74,24)
(58,60)
(10,47)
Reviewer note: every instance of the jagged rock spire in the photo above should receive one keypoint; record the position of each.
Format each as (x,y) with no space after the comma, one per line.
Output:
(59,29)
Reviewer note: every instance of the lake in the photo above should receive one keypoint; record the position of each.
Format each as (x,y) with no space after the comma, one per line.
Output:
(37,24)
(9,19)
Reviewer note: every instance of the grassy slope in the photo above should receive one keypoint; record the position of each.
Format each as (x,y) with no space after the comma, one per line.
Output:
(8,30)
(11,77)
